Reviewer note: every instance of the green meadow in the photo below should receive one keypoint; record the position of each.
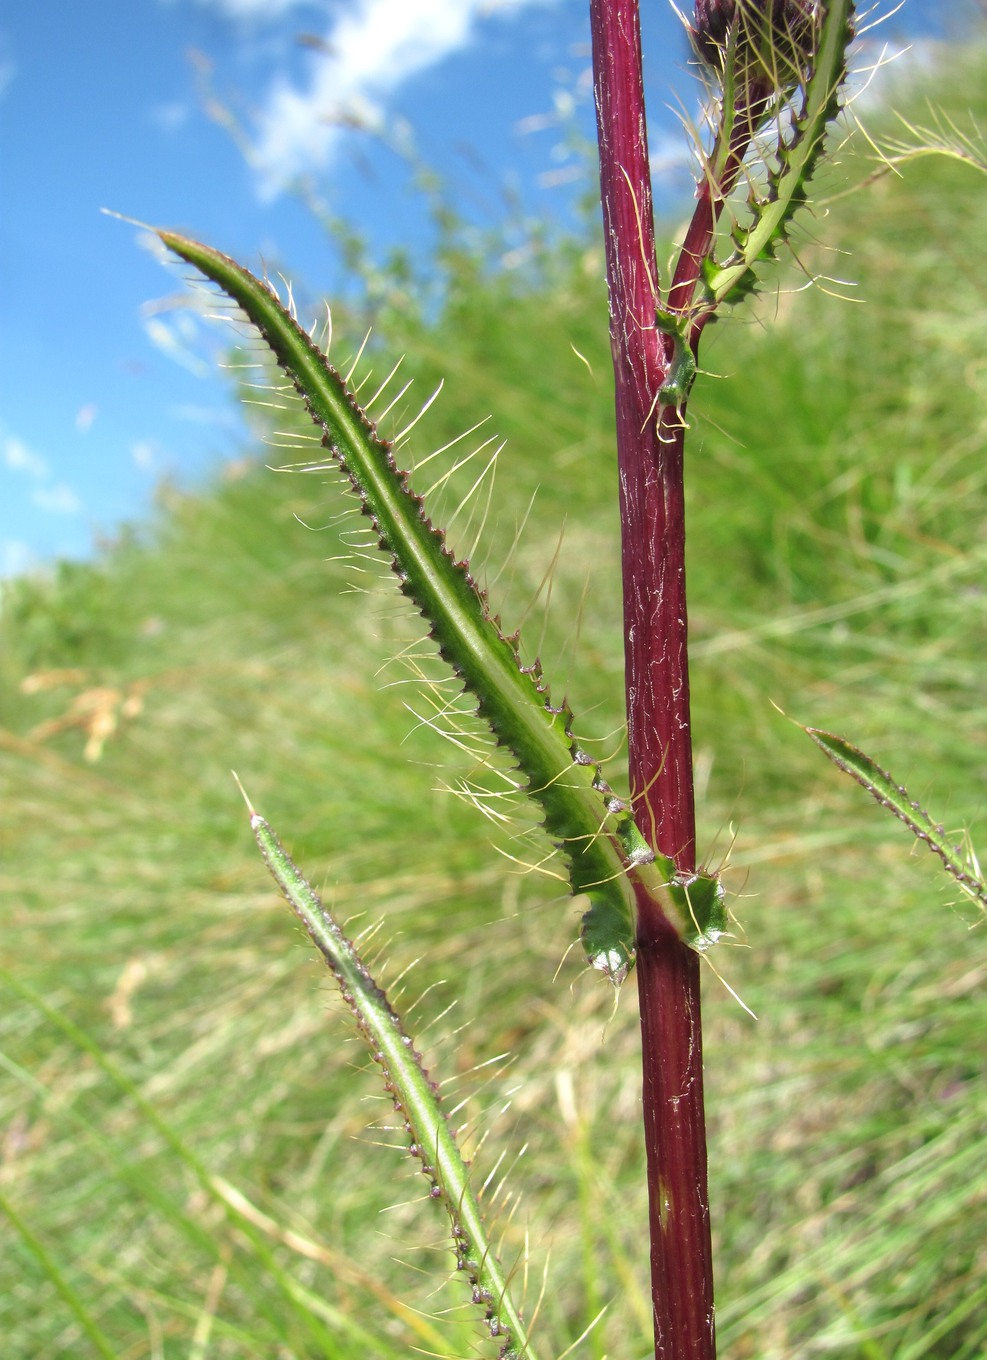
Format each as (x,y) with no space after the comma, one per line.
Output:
(195,1154)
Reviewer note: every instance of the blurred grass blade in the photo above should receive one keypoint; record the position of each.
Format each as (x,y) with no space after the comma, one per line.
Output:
(607,858)
(415,1098)
(36,1248)
(879,784)
(323,1323)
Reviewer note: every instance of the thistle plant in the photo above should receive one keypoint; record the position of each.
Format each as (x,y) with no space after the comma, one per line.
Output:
(774,71)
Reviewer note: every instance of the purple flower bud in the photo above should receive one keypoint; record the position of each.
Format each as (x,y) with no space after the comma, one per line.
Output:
(767,43)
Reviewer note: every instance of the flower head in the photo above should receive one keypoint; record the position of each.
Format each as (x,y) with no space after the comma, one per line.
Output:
(763,46)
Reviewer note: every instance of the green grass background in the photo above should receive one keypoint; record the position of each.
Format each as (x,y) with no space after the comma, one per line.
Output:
(169,1045)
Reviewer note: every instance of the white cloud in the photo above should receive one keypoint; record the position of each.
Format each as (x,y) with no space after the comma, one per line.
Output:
(370,51)
(144,452)
(253,9)
(177,339)
(221,416)
(57,499)
(169,117)
(8,67)
(19,458)
(16,558)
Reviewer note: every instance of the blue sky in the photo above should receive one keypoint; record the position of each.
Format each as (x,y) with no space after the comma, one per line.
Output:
(106,387)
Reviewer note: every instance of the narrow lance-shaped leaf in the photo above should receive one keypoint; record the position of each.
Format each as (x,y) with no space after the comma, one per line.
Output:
(607,857)
(883,788)
(415,1099)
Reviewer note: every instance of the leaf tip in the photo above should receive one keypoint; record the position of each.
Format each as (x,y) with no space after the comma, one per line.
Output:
(131,221)
(254,819)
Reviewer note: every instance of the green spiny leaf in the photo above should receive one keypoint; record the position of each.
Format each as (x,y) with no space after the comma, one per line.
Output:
(581,812)
(798,152)
(415,1098)
(883,788)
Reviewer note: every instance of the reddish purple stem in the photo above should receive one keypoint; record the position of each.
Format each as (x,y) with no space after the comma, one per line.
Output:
(650,449)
